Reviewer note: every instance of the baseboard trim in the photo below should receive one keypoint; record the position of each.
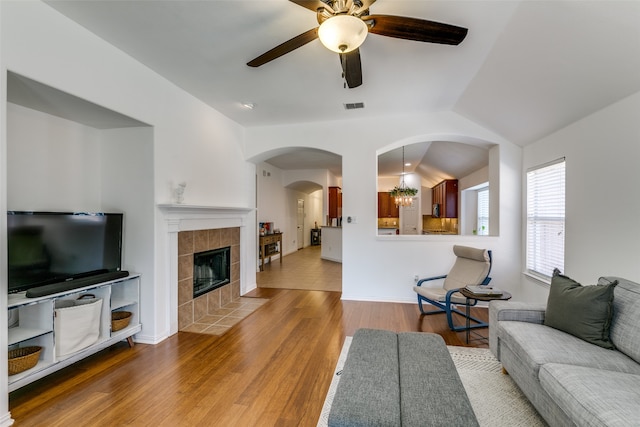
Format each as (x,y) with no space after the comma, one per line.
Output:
(147,339)
(6,420)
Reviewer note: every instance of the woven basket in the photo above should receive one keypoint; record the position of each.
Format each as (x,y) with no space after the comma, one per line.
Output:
(21,359)
(119,320)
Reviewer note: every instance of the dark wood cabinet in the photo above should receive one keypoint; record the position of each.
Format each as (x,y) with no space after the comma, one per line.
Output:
(386,206)
(445,195)
(335,202)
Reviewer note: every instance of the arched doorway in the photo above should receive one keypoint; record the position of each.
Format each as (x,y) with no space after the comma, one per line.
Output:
(292,193)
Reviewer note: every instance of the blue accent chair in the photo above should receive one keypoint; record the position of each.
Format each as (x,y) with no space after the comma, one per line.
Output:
(472,267)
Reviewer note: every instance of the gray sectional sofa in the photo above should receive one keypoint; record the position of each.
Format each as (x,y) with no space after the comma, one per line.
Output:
(569,380)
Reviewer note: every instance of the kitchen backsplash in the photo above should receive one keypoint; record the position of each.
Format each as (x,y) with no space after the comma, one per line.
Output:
(388,222)
(432,224)
(429,223)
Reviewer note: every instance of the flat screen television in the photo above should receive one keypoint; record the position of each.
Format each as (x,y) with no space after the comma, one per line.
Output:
(51,247)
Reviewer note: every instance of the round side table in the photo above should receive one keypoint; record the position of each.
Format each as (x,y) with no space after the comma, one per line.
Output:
(480,297)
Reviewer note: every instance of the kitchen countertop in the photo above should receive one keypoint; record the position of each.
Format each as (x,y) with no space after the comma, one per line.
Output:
(446,232)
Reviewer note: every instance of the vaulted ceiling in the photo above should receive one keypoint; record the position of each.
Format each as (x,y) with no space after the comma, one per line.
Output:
(525,69)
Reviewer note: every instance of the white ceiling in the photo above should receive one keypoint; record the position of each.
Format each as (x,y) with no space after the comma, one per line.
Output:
(434,161)
(296,158)
(525,69)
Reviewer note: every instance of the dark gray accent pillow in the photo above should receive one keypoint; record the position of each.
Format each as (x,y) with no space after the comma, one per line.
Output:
(582,311)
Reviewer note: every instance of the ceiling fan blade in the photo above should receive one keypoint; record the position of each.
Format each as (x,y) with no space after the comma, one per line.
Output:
(313,5)
(284,48)
(416,29)
(351,68)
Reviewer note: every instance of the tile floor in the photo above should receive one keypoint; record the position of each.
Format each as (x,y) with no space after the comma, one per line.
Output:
(221,319)
(303,269)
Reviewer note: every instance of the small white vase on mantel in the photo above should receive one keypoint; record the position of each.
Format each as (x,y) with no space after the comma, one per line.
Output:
(179,193)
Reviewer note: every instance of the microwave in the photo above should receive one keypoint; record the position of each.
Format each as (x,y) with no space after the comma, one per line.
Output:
(436,210)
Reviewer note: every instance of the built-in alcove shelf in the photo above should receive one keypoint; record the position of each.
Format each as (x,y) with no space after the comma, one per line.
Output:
(35,325)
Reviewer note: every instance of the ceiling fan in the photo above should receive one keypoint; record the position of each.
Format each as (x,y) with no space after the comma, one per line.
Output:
(344,24)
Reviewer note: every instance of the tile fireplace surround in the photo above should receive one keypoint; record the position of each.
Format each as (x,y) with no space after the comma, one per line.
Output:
(190,242)
(204,227)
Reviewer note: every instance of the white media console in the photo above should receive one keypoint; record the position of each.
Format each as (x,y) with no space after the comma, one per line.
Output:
(35,324)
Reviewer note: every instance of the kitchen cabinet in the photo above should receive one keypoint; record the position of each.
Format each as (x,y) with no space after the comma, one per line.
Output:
(335,202)
(445,195)
(386,206)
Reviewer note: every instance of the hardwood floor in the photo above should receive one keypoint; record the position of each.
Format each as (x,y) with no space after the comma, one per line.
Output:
(272,369)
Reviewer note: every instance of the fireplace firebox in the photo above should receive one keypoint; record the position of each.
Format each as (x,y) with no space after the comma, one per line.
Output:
(211,270)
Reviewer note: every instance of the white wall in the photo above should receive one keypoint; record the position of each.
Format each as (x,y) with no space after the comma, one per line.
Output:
(278,204)
(602,154)
(191,141)
(54,164)
(315,211)
(322,178)
(478,177)
(468,201)
(272,197)
(426,200)
(387,183)
(370,262)
(127,186)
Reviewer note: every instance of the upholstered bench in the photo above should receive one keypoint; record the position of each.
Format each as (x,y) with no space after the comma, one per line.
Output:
(399,379)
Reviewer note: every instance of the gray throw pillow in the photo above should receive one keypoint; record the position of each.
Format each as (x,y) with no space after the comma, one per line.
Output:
(582,311)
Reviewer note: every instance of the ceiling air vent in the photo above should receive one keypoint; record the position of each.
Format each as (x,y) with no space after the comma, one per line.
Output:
(353,105)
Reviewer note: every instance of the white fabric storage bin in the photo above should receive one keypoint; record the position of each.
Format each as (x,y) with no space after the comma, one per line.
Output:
(76,324)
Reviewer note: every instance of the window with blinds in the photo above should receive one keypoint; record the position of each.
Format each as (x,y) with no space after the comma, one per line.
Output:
(483,212)
(545,219)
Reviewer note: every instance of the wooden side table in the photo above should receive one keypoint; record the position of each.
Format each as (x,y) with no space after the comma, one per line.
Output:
(270,244)
(479,297)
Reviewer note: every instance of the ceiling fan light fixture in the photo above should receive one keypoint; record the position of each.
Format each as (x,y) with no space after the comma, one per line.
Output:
(343,33)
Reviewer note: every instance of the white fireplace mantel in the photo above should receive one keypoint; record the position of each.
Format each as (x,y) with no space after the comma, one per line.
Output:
(177,208)
(181,217)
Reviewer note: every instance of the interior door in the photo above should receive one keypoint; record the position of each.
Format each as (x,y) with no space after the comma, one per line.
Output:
(409,218)
(300,230)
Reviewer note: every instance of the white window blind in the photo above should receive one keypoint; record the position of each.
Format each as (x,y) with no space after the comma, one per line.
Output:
(483,212)
(546,218)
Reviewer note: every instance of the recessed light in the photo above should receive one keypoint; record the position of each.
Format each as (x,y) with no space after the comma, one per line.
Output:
(249,105)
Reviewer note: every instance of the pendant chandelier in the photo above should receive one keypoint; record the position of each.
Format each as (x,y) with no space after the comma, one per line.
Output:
(403,195)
